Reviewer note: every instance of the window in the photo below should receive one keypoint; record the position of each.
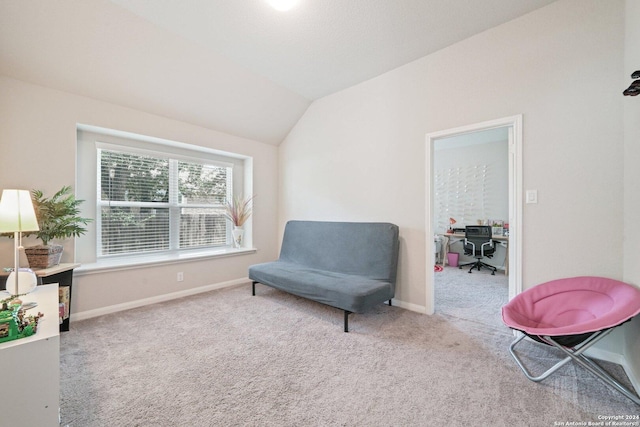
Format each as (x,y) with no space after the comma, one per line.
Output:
(150,203)
(152,197)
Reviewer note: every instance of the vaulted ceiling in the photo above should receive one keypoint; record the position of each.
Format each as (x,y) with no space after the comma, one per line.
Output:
(237,66)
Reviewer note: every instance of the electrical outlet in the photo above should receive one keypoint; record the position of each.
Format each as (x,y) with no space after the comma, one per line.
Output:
(180,276)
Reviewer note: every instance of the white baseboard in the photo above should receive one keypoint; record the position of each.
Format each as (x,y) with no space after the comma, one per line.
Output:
(617,358)
(408,306)
(152,300)
(634,376)
(88,314)
(606,355)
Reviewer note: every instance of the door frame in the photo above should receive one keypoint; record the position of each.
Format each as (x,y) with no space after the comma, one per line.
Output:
(514,125)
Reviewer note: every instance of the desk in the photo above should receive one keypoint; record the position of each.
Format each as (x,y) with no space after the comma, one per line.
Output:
(448,239)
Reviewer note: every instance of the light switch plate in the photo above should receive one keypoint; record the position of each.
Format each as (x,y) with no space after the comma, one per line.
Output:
(532,196)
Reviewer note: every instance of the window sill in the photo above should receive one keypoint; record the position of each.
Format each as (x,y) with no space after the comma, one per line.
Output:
(132,262)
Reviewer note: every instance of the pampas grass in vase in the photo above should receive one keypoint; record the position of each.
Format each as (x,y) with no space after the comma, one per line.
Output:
(238,210)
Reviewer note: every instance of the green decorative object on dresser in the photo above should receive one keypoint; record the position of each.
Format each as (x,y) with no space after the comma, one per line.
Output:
(14,322)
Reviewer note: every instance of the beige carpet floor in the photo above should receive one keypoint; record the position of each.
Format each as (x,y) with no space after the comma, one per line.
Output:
(225,358)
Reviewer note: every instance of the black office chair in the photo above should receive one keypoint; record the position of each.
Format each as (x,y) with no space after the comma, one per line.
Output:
(478,243)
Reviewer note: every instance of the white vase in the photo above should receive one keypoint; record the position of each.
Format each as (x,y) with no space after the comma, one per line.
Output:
(238,236)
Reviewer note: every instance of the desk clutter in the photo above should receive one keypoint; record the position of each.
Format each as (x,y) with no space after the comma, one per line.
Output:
(498,227)
(452,246)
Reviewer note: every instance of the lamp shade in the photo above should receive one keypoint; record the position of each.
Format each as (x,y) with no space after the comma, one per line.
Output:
(16,212)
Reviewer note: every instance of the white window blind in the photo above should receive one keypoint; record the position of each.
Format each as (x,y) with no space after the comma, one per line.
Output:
(149,202)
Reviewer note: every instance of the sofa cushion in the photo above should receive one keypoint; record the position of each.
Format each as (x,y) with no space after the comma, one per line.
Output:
(349,292)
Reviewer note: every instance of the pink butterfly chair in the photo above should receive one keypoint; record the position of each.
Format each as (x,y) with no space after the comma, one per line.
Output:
(572,315)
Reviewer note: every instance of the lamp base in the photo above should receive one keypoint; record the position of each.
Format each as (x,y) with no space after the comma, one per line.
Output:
(27,281)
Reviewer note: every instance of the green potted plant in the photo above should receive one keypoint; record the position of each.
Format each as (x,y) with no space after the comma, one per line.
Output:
(238,210)
(58,218)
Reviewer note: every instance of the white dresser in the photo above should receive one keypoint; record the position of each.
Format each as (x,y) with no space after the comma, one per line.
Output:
(30,368)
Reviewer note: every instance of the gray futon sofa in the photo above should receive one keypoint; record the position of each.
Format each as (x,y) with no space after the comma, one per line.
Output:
(348,265)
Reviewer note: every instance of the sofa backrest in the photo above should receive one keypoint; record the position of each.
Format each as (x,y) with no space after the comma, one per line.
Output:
(368,249)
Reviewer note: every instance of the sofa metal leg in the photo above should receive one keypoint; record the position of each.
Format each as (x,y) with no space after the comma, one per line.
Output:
(346,320)
(253,288)
(389,303)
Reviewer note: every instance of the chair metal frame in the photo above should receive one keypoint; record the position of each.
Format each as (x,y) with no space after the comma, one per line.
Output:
(575,354)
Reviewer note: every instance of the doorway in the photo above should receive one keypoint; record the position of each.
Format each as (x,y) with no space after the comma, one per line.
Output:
(513,127)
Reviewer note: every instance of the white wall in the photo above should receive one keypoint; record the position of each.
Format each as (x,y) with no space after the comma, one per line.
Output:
(38,141)
(632,177)
(482,171)
(360,154)
(631,146)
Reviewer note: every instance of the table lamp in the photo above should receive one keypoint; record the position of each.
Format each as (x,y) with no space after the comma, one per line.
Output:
(17,215)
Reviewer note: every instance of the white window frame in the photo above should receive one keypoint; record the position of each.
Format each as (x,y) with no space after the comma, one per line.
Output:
(173,205)
(92,138)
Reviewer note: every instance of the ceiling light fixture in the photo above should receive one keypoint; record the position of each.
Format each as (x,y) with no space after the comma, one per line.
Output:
(282,5)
